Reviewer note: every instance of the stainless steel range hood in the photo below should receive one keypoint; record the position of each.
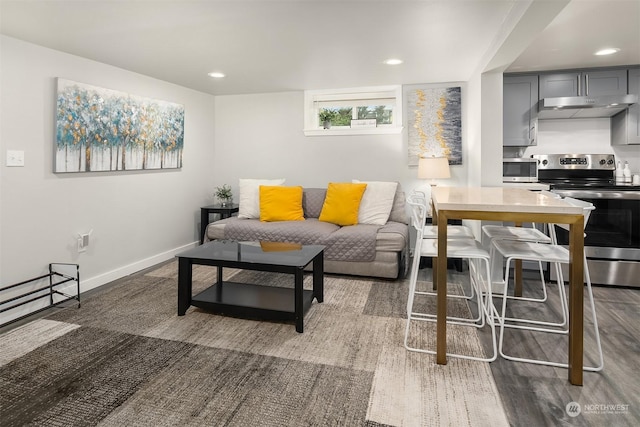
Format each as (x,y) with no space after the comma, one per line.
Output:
(584,106)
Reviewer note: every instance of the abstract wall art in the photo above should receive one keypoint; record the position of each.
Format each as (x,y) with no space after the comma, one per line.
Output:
(106,130)
(434,122)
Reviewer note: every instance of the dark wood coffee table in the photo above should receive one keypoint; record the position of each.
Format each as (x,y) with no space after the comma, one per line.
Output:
(253,300)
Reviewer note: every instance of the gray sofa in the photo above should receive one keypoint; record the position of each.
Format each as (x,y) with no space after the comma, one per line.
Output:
(361,250)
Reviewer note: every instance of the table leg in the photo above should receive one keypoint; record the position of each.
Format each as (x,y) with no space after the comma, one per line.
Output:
(434,273)
(517,278)
(184,285)
(434,261)
(299,304)
(441,279)
(204,221)
(517,273)
(576,301)
(219,284)
(318,277)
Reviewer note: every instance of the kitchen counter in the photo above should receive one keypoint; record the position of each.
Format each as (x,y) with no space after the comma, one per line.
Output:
(527,185)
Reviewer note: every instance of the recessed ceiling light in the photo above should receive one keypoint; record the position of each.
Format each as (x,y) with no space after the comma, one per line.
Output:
(216,75)
(393,61)
(607,51)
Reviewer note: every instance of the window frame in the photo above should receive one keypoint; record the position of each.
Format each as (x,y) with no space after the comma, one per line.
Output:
(312,98)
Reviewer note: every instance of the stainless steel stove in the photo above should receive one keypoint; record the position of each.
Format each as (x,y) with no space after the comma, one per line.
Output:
(612,242)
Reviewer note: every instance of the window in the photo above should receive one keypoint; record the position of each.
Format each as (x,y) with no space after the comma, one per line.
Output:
(372,110)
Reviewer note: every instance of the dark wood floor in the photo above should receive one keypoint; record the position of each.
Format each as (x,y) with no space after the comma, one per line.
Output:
(535,395)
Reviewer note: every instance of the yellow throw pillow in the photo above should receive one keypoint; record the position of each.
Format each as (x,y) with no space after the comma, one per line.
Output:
(279,203)
(342,203)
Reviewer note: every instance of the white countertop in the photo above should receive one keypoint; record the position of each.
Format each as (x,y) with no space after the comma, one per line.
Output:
(527,185)
(499,199)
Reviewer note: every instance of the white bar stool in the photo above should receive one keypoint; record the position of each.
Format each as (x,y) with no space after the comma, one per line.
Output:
(466,248)
(491,233)
(557,255)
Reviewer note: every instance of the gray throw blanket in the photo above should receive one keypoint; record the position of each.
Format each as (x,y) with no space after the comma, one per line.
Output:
(350,243)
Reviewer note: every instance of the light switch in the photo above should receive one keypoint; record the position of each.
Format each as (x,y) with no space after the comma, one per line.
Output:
(15,158)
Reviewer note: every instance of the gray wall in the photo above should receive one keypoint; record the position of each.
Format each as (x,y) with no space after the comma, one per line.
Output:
(142,218)
(260,136)
(138,218)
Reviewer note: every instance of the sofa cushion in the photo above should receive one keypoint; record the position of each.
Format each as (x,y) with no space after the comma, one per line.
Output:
(312,201)
(399,210)
(350,243)
(278,203)
(342,203)
(249,200)
(377,202)
(392,237)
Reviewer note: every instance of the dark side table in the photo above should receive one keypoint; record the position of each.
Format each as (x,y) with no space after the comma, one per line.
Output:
(223,211)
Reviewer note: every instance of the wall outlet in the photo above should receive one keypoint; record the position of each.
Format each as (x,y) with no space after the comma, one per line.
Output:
(15,158)
(83,242)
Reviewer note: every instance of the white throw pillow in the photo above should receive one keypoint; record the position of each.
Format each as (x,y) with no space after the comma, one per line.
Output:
(250,196)
(376,202)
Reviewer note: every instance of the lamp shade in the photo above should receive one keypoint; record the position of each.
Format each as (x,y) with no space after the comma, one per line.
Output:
(433,168)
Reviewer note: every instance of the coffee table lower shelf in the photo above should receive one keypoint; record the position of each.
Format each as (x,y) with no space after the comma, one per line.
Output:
(251,301)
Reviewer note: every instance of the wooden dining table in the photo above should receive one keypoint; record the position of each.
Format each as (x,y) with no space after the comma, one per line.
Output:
(511,205)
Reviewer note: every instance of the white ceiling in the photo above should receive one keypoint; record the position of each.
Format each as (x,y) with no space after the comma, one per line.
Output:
(273,46)
(579,30)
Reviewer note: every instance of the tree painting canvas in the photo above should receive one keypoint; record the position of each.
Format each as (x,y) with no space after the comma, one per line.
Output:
(434,123)
(105,130)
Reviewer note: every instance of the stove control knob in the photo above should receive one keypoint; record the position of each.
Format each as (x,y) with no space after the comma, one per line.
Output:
(602,162)
(544,162)
(610,161)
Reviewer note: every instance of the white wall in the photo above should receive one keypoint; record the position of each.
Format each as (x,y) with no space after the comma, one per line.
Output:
(138,218)
(590,136)
(144,217)
(491,141)
(260,136)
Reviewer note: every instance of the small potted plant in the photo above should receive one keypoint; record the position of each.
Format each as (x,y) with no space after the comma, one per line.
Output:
(326,116)
(224,194)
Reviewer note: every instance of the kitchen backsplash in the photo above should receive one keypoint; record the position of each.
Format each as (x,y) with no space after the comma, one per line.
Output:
(590,136)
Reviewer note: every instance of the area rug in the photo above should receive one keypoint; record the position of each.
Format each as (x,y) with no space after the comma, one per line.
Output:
(126,358)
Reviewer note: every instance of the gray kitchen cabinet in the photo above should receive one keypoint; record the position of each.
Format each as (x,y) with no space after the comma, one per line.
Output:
(583,83)
(559,84)
(520,110)
(625,126)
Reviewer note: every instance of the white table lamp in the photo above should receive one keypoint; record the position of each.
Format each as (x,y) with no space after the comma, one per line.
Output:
(433,168)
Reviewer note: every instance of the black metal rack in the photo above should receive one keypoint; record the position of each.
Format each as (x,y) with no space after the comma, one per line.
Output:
(55,279)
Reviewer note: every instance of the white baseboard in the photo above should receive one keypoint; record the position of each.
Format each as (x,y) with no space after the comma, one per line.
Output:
(87,284)
(110,276)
